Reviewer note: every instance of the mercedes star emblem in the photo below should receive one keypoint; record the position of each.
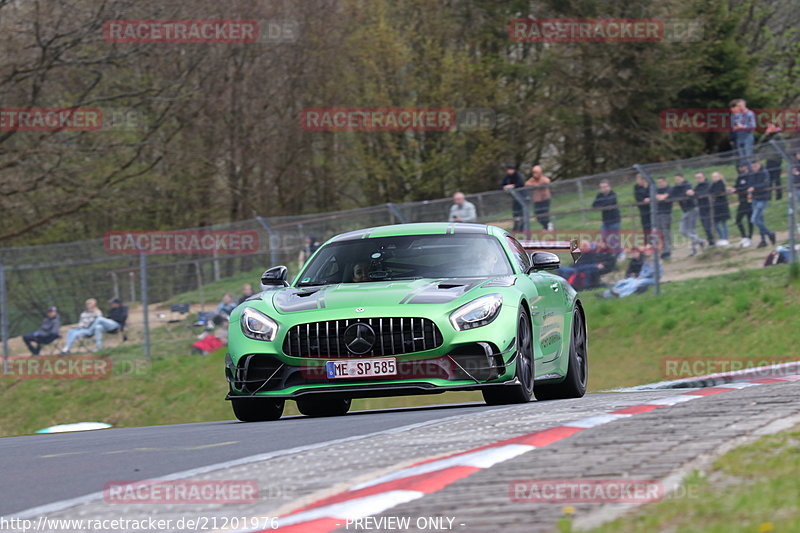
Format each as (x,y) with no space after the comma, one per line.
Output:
(359,338)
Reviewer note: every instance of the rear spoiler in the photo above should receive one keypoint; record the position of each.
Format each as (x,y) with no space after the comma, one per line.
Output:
(550,246)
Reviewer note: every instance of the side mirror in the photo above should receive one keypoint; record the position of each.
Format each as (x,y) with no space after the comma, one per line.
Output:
(274,277)
(544,261)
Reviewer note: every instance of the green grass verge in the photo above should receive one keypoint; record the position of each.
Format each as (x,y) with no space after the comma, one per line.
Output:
(753,488)
(745,315)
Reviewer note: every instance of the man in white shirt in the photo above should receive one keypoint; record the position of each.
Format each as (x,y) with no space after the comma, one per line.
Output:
(462,210)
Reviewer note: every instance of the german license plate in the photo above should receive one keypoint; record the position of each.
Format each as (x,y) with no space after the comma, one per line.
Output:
(361,368)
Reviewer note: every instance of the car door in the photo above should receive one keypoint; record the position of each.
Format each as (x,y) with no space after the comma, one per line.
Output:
(547,298)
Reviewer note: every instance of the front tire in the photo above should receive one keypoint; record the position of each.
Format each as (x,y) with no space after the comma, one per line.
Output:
(521,391)
(574,385)
(257,409)
(323,406)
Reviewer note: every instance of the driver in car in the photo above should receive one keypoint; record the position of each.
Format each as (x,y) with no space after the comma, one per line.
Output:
(360,272)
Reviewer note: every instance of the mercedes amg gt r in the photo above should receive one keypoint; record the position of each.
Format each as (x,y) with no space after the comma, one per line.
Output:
(409,309)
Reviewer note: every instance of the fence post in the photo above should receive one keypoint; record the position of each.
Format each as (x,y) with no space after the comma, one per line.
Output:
(145,316)
(653,211)
(199,272)
(791,199)
(580,200)
(115,283)
(273,241)
(4,316)
(396,213)
(132,280)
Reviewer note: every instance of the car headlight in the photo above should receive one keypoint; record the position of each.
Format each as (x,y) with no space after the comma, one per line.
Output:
(256,325)
(477,313)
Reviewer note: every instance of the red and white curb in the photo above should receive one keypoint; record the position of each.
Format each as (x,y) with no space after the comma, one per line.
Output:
(426,477)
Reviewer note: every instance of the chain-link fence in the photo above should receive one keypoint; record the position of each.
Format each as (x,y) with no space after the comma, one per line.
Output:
(168,289)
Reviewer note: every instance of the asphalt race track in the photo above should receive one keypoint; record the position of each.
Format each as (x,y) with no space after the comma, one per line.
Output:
(399,463)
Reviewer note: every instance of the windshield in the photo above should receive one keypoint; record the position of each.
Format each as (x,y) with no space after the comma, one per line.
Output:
(407,257)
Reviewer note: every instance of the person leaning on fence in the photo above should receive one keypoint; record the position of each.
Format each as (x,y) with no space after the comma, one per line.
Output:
(684,191)
(115,322)
(462,210)
(774,132)
(84,328)
(720,208)
(540,196)
(744,211)
(641,193)
(664,200)
(513,180)
(606,200)
(759,189)
(702,192)
(47,332)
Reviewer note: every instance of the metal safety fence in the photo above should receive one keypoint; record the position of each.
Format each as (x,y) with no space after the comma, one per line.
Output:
(169,290)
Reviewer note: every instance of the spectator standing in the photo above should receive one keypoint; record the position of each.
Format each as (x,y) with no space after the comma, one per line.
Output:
(117,316)
(514,180)
(540,196)
(84,328)
(664,216)
(684,193)
(247,292)
(606,200)
(743,123)
(702,192)
(759,189)
(641,193)
(774,159)
(310,245)
(47,332)
(462,210)
(744,211)
(721,211)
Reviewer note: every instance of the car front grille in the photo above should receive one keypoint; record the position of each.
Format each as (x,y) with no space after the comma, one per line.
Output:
(393,336)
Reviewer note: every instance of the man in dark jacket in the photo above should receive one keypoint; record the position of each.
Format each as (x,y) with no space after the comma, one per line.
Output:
(47,332)
(744,210)
(514,180)
(774,158)
(720,208)
(702,192)
(606,200)
(684,192)
(641,193)
(664,200)
(759,189)
(114,323)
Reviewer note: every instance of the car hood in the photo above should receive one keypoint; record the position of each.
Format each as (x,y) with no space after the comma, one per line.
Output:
(380,293)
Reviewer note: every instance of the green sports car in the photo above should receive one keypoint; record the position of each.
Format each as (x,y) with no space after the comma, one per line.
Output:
(409,309)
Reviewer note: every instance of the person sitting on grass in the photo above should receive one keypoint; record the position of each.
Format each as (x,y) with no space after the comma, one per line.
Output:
(210,341)
(47,332)
(626,287)
(223,309)
(85,326)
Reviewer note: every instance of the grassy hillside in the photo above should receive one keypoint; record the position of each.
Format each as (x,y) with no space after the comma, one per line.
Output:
(751,314)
